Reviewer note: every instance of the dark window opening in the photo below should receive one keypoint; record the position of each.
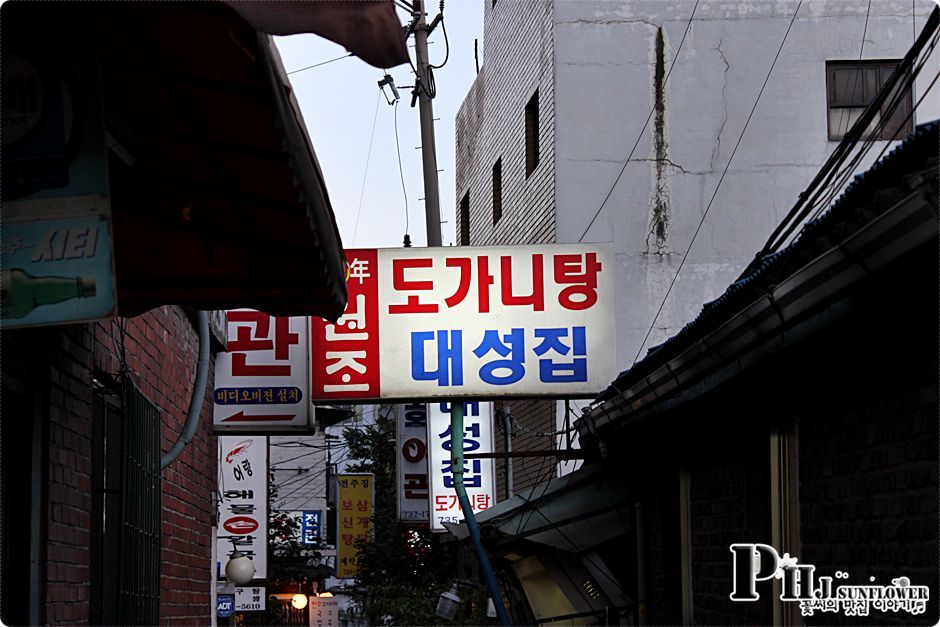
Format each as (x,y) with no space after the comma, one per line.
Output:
(497,190)
(532,134)
(465,220)
(851,86)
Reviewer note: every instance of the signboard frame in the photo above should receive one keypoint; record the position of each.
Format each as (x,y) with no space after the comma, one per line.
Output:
(477,322)
(249,494)
(344,550)
(262,399)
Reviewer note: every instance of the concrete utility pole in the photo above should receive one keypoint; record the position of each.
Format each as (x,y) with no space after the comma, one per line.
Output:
(432,202)
(432,215)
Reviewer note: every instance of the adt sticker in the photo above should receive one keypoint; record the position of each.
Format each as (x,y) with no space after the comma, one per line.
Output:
(225,605)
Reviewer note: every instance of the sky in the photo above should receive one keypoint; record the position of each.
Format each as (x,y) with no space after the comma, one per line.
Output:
(340,101)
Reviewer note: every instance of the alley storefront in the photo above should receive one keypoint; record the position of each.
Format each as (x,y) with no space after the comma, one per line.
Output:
(159,168)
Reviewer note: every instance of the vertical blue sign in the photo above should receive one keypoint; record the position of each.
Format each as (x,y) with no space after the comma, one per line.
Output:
(310,527)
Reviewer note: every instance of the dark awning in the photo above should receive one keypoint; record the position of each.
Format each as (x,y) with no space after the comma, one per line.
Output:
(217,199)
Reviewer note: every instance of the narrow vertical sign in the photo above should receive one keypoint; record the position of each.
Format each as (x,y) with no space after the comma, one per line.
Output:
(346,364)
(412,437)
(243,503)
(324,611)
(354,500)
(479,474)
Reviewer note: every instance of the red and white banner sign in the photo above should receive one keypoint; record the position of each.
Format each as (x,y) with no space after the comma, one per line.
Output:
(470,322)
(243,500)
(262,380)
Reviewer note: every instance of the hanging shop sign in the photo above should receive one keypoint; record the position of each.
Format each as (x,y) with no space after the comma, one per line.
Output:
(470,322)
(355,494)
(412,438)
(324,611)
(56,252)
(479,474)
(310,526)
(243,500)
(261,380)
(250,598)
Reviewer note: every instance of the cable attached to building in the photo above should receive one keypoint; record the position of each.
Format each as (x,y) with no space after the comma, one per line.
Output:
(198,396)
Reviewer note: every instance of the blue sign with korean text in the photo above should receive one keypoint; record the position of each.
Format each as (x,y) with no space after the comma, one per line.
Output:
(310,527)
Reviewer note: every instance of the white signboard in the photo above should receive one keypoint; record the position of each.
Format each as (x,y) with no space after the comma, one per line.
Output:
(324,612)
(262,379)
(250,599)
(412,462)
(243,500)
(479,474)
(471,322)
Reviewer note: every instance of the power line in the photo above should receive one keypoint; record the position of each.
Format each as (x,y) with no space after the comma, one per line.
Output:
(375,117)
(805,202)
(401,171)
(900,93)
(720,180)
(642,130)
(310,67)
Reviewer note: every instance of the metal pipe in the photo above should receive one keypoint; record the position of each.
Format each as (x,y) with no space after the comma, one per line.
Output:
(507,429)
(198,396)
(456,459)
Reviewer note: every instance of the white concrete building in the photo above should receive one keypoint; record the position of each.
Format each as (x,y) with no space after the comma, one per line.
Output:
(566,89)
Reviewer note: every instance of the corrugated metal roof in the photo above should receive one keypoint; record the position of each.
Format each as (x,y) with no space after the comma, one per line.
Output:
(856,206)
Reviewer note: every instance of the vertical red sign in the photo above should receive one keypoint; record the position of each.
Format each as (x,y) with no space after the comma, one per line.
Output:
(345,355)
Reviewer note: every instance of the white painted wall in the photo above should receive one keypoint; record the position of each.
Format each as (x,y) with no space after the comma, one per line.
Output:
(604,66)
(594,62)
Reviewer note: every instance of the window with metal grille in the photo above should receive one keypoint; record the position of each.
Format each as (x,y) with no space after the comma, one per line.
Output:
(497,190)
(852,85)
(465,220)
(532,134)
(126,505)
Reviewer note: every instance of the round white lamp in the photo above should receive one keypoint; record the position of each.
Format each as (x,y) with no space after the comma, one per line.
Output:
(299,601)
(240,569)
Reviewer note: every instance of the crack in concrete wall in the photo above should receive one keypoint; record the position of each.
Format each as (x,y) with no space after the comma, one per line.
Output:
(724,104)
(659,203)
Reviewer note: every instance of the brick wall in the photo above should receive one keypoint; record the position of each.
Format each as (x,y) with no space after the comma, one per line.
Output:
(161,352)
(729,498)
(68,492)
(517,60)
(868,446)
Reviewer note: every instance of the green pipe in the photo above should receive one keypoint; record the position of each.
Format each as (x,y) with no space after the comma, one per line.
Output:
(456,458)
